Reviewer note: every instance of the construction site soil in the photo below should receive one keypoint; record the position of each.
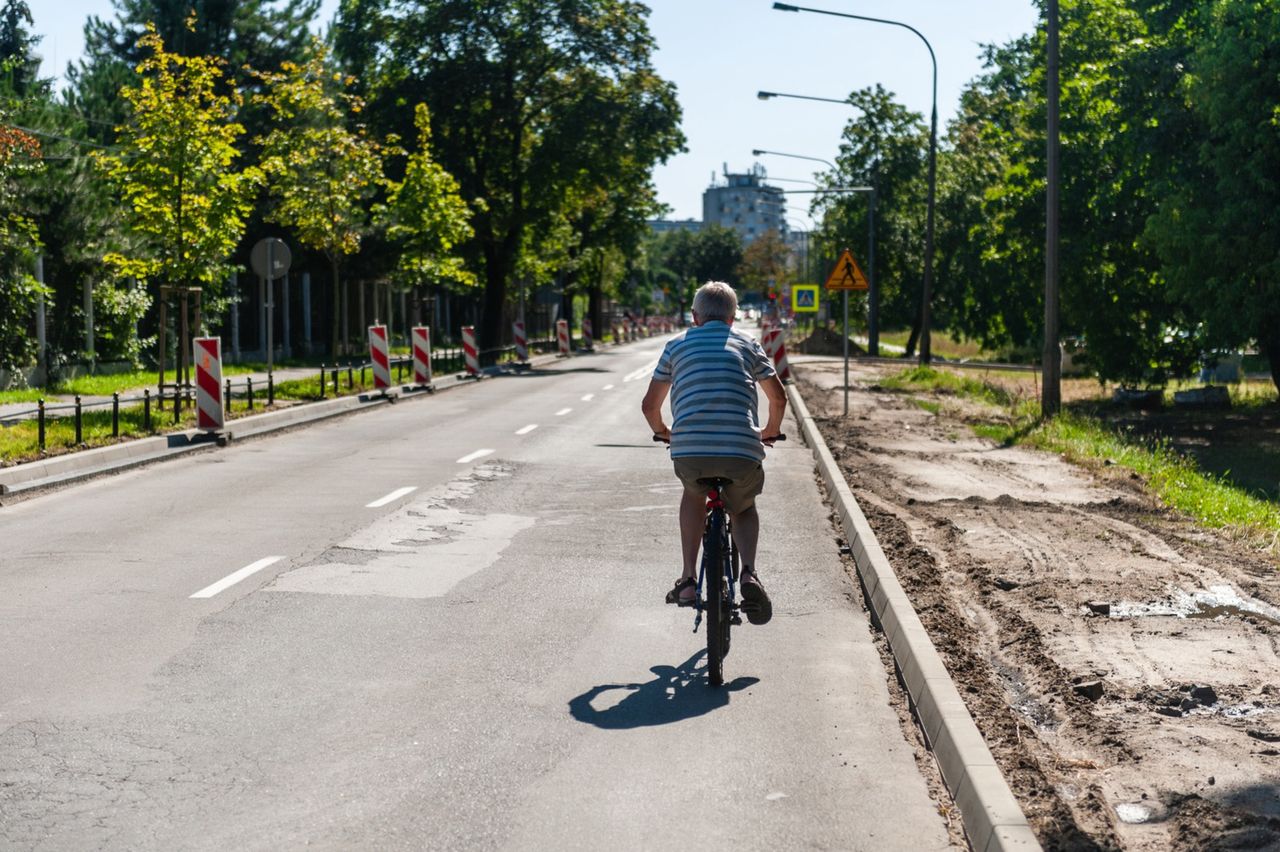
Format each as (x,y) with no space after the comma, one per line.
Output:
(1121,662)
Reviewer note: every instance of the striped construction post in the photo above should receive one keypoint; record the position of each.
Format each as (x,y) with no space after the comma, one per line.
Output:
(521,340)
(587,342)
(562,335)
(777,350)
(470,351)
(210,413)
(380,356)
(421,356)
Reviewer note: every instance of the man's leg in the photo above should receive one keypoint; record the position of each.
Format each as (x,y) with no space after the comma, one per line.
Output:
(692,521)
(746,533)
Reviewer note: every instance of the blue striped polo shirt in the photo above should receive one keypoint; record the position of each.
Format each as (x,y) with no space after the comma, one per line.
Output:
(713,371)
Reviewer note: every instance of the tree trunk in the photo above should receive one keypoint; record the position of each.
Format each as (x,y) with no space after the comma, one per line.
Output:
(593,311)
(337,312)
(495,291)
(913,339)
(1269,346)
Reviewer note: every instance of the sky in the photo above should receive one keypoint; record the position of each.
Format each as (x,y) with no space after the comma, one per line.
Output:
(720,53)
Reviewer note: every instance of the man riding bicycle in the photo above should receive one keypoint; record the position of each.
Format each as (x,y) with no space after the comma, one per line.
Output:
(711,372)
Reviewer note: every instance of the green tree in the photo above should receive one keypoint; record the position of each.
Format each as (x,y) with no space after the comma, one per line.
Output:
(425,218)
(766,263)
(886,147)
(19,154)
(322,173)
(501,77)
(1215,231)
(175,171)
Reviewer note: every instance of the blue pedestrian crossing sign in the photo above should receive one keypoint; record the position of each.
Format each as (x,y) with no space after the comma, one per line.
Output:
(804,298)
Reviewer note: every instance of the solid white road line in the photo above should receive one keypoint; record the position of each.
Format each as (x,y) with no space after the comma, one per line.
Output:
(588,397)
(525,430)
(394,495)
(231,579)
(562,412)
(470,457)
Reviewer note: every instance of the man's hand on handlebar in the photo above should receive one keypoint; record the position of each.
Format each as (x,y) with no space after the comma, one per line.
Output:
(768,440)
(664,436)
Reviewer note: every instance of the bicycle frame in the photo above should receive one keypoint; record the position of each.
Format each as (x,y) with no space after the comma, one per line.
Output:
(715,503)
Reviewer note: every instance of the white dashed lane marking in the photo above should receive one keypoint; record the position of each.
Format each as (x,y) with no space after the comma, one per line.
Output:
(393,496)
(470,457)
(562,412)
(588,397)
(608,387)
(231,579)
(525,430)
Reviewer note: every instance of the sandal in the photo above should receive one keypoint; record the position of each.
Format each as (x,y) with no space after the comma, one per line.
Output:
(674,596)
(755,600)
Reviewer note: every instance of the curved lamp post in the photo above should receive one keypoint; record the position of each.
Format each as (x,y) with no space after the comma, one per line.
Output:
(927,289)
(873,296)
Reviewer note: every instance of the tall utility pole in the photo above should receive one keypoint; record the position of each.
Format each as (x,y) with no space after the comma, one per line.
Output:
(1051,397)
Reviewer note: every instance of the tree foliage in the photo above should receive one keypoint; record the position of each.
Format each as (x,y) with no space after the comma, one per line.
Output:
(174,169)
(425,217)
(526,96)
(322,172)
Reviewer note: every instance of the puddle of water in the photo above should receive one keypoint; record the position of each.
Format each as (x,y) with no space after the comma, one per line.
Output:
(1212,603)
(1133,813)
(1022,698)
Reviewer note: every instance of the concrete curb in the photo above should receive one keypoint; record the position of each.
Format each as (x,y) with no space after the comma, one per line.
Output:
(993,820)
(31,477)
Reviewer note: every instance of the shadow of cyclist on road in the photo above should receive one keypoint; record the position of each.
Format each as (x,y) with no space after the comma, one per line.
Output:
(675,693)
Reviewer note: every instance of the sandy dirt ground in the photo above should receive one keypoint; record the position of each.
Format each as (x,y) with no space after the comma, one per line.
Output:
(1122,664)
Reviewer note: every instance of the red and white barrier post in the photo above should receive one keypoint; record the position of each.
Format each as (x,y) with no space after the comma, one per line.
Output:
(470,352)
(777,350)
(562,335)
(422,355)
(521,341)
(587,342)
(210,406)
(380,356)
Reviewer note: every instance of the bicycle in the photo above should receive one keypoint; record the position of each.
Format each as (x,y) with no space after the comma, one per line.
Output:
(719,569)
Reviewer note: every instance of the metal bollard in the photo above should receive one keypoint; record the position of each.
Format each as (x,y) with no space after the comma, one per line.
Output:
(248,383)
(351,383)
(40,424)
(79,422)
(322,381)
(115,414)
(146,410)
(177,407)
(271,388)
(227,393)
(362,375)
(335,381)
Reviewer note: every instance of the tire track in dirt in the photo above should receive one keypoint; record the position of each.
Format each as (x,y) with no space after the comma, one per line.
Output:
(1043,589)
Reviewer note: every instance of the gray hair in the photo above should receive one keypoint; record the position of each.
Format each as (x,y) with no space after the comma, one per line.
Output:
(716,300)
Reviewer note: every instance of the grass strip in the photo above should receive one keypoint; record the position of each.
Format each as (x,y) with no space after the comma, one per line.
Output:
(1210,500)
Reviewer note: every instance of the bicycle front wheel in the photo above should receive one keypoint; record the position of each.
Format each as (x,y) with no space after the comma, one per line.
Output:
(715,550)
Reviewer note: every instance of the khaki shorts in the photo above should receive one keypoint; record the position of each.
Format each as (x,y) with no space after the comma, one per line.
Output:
(747,476)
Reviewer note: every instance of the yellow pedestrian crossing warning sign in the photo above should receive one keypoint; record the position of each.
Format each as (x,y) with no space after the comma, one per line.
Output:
(804,298)
(847,275)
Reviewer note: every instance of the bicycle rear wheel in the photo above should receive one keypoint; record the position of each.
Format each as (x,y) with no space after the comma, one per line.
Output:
(715,550)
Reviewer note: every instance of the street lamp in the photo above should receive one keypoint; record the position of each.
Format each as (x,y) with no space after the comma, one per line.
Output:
(764,96)
(756,152)
(873,294)
(925,354)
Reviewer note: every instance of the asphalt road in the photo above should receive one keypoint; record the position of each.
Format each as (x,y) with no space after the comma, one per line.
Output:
(278,644)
